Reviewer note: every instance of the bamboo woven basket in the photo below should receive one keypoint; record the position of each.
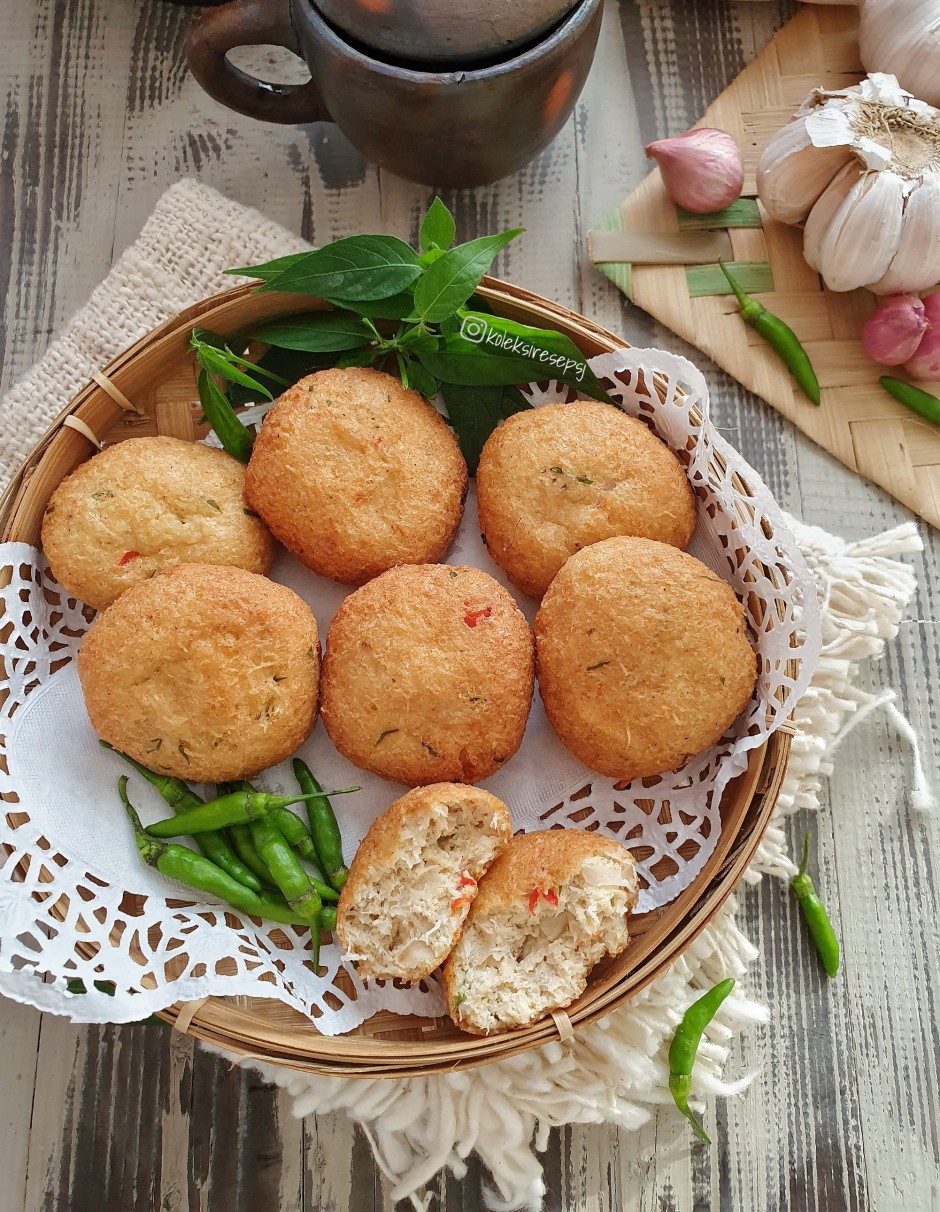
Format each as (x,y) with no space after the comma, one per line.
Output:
(150,388)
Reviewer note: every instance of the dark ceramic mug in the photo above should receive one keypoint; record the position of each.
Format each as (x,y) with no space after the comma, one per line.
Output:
(451,128)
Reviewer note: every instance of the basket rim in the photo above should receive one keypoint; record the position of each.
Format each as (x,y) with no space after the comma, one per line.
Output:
(769,759)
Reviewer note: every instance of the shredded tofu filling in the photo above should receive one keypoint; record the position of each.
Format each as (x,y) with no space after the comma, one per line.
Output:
(405,922)
(513,967)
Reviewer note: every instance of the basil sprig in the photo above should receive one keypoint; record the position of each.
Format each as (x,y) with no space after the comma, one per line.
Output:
(408,313)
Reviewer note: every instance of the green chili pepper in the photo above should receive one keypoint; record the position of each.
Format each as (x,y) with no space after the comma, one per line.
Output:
(182,864)
(913,397)
(778,335)
(245,849)
(276,909)
(291,878)
(816,916)
(297,835)
(236,808)
(212,843)
(323,825)
(241,839)
(684,1047)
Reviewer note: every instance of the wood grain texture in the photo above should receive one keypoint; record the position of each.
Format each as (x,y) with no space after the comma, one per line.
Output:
(99,118)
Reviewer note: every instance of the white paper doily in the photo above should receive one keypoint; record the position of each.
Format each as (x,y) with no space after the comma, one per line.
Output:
(70,860)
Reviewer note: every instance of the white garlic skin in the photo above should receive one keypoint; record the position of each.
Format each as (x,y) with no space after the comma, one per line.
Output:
(863,237)
(701,170)
(903,37)
(792,172)
(916,264)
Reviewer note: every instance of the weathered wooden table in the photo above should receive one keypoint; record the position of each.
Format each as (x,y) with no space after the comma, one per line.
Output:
(100,117)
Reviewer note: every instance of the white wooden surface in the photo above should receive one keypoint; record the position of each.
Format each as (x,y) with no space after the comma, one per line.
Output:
(100,116)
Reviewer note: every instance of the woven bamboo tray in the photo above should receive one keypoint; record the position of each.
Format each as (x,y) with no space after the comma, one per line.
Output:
(858,421)
(156,376)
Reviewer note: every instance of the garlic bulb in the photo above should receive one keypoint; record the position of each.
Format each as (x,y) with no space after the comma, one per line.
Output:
(903,37)
(861,166)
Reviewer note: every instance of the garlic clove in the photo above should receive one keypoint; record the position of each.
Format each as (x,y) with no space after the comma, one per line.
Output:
(925,364)
(701,170)
(903,37)
(893,331)
(825,210)
(916,264)
(792,172)
(864,234)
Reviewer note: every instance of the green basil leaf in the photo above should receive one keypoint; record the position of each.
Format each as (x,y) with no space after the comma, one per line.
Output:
(474,412)
(269,269)
(431,256)
(395,307)
(358,357)
(415,341)
(437,227)
(235,437)
(421,381)
(256,368)
(491,350)
(218,364)
(355,268)
(290,365)
(452,279)
(318,332)
(202,336)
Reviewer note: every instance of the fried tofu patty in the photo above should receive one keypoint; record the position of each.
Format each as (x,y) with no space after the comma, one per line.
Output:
(643,657)
(203,673)
(414,877)
(554,479)
(428,675)
(144,505)
(354,473)
(552,905)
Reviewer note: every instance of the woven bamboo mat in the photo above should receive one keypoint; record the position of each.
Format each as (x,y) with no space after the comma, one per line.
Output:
(857,422)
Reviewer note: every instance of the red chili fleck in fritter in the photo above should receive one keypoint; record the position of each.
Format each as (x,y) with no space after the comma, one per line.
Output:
(471,618)
(127,557)
(460,900)
(466,880)
(548,894)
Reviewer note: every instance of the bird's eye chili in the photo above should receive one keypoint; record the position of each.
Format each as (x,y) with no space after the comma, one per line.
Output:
(684,1046)
(814,911)
(778,335)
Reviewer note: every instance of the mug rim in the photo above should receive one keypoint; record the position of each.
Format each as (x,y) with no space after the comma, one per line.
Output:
(579,15)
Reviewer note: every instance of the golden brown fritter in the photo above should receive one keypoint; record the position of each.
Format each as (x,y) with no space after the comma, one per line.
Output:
(354,474)
(428,675)
(643,657)
(414,878)
(550,907)
(144,505)
(204,673)
(557,478)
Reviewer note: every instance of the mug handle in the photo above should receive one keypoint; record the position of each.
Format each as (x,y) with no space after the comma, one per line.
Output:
(251,23)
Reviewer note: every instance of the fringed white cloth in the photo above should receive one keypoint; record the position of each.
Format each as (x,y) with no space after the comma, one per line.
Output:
(615,1071)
